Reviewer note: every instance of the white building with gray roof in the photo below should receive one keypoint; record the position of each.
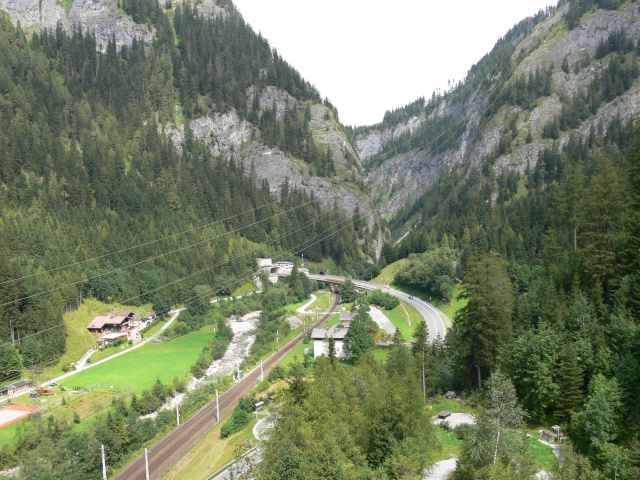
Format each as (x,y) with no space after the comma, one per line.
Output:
(320,337)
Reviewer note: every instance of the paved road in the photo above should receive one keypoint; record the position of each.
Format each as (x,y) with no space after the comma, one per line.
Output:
(303,308)
(436,320)
(382,320)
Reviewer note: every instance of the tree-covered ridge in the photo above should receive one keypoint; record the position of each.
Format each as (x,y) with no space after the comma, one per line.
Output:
(368,422)
(221,57)
(549,262)
(85,171)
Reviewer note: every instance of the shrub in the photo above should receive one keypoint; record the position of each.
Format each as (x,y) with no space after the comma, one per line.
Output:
(166,417)
(179,384)
(278,373)
(240,417)
(383,299)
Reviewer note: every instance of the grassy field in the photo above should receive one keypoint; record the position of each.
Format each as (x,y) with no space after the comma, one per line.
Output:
(155,326)
(78,339)
(450,443)
(87,405)
(244,289)
(390,271)
(334,320)
(398,317)
(210,453)
(448,308)
(298,352)
(107,352)
(139,369)
(542,454)
(294,306)
(323,302)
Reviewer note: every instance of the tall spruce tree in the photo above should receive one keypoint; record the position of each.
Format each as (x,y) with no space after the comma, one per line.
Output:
(571,381)
(420,350)
(483,325)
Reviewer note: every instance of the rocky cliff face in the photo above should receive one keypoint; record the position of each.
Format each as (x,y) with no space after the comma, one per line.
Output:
(373,143)
(100,17)
(406,176)
(230,135)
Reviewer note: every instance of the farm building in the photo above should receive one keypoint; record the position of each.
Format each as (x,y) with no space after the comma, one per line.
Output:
(346,318)
(15,387)
(115,321)
(320,337)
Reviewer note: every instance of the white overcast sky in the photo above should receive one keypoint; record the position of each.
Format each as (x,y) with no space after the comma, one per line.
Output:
(369,56)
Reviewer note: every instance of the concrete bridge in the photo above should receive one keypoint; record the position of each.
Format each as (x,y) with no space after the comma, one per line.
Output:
(437,321)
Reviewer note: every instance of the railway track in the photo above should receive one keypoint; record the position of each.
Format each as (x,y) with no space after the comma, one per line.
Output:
(173,446)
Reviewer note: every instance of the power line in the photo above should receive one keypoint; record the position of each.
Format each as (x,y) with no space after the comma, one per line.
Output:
(150,242)
(326,214)
(152,258)
(345,224)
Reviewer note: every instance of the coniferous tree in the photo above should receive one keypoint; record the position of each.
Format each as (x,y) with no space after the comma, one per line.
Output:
(359,340)
(605,203)
(331,349)
(295,283)
(420,350)
(483,325)
(348,291)
(571,381)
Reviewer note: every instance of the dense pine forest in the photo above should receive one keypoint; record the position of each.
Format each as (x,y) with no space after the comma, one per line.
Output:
(85,171)
(549,263)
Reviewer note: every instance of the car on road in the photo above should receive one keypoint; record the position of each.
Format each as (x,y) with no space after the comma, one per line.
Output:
(53,384)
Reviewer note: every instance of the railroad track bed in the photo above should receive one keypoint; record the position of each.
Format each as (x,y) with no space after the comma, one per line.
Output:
(172,447)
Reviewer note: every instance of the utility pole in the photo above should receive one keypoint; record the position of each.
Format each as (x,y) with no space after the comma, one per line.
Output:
(177,415)
(13,338)
(104,465)
(316,313)
(146,462)
(278,339)
(217,408)
(261,372)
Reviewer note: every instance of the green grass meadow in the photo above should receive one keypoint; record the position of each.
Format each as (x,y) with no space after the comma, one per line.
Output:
(78,339)
(139,369)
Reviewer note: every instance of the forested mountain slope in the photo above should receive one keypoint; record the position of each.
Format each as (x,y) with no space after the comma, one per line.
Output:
(571,70)
(543,229)
(105,149)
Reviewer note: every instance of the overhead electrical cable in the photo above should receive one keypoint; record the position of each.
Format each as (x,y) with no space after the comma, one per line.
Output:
(151,242)
(191,275)
(180,249)
(298,248)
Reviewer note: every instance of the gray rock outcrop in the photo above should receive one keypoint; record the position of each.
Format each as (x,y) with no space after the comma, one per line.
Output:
(101,18)
(408,175)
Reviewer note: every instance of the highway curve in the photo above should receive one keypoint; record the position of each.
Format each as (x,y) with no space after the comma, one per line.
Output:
(436,320)
(173,446)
